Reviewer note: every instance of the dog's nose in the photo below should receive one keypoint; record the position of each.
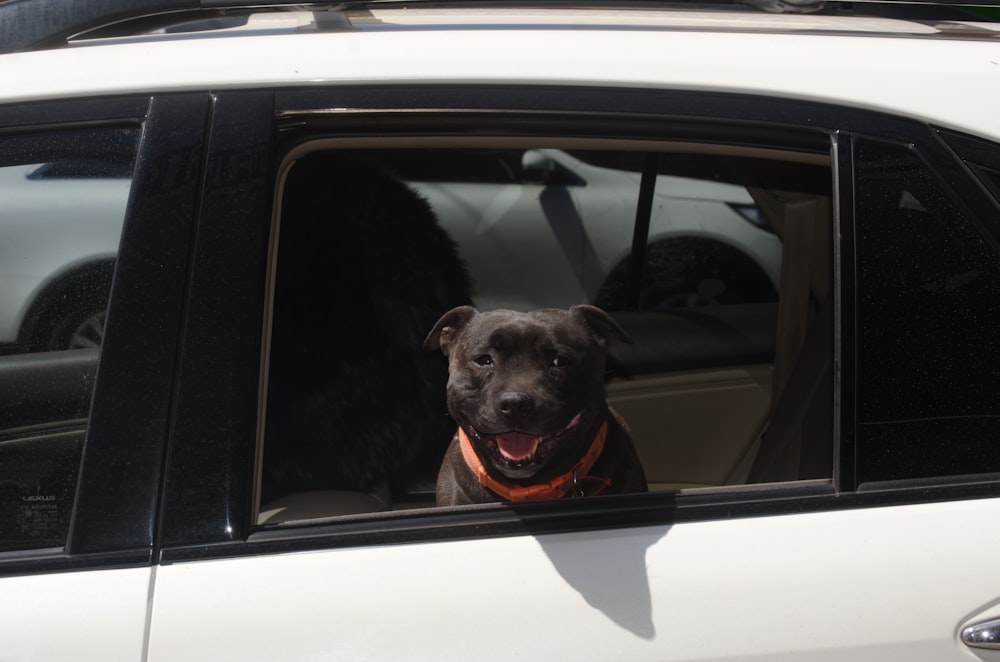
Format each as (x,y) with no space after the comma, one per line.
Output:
(516,404)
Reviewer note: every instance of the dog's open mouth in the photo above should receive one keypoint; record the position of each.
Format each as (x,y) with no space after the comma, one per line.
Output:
(520,448)
(517,446)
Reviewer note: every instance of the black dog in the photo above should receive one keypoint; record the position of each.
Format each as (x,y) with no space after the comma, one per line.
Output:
(363,271)
(527,392)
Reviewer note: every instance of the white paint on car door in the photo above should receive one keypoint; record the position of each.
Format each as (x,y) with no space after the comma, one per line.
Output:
(872,584)
(83,615)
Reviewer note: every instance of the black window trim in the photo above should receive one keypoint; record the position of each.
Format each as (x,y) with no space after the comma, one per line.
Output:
(845,315)
(43,115)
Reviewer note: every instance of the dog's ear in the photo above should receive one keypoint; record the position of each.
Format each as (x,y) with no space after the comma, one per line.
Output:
(447,328)
(601,323)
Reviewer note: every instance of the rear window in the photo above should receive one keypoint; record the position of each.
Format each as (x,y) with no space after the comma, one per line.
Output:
(929,281)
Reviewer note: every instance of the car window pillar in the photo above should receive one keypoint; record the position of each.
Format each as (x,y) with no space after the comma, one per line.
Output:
(845,313)
(208,481)
(123,453)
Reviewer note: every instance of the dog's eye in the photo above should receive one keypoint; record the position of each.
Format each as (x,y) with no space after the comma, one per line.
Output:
(483,361)
(562,362)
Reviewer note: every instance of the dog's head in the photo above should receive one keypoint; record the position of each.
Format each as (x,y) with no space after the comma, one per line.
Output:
(527,388)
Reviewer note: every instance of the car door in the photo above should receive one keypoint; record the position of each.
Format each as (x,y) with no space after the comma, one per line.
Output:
(854,526)
(82,425)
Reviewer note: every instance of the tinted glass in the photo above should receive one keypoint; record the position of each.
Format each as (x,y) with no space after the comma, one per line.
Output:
(62,204)
(929,305)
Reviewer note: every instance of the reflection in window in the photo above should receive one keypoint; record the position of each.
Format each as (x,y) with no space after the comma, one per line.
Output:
(62,205)
(550,227)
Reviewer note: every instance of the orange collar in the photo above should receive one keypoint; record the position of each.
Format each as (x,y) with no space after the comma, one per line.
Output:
(556,488)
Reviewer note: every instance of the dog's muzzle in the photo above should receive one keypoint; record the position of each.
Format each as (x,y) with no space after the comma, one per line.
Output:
(519,447)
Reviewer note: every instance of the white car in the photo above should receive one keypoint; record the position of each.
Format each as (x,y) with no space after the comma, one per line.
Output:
(580,210)
(584,213)
(63,225)
(818,431)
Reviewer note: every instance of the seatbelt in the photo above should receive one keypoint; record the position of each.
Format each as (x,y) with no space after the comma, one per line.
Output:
(803,224)
(793,302)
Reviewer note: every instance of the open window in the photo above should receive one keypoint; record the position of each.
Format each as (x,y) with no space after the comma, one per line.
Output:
(715,257)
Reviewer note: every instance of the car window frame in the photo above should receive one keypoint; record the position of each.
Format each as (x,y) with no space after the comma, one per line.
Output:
(118,484)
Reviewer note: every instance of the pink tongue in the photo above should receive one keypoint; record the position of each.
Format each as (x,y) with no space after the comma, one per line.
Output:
(516,445)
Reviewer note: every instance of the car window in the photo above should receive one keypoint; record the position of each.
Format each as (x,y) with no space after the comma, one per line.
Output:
(683,249)
(62,204)
(929,285)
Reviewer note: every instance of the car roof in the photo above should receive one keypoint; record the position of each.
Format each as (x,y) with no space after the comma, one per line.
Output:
(35,24)
(827,57)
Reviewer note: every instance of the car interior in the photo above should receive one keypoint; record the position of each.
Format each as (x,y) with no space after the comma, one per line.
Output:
(716,394)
